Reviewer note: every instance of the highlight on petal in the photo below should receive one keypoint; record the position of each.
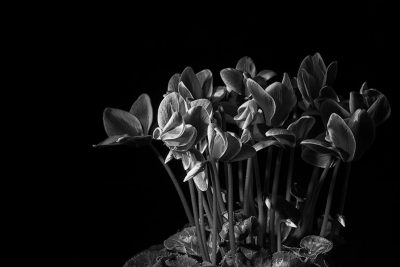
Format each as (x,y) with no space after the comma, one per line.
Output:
(267,74)
(219,94)
(380,110)
(185,140)
(265,143)
(195,170)
(301,127)
(220,144)
(331,73)
(205,79)
(314,158)
(169,157)
(356,101)
(205,103)
(233,80)
(173,83)
(191,82)
(342,137)
(120,122)
(283,136)
(174,121)
(246,64)
(363,129)
(263,99)
(171,103)
(200,181)
(184,92)
(143,110)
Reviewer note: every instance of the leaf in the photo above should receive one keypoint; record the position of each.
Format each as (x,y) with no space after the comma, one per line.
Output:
(233,80)
(184,242)
(356,101)
(363,129)
(342,137)
(120,122)
(171,103)
(246,64)
(285,100)
(192,83)
(285,259)
(147,257)
(316,245)
(328,107)
(173,83)
(206,82)
(182,261)
(331,73)
(380,110)
(143,110)
(263,99)
(301,127)
(199,118)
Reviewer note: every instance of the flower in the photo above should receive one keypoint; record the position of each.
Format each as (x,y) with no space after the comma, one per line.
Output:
(226,146)
(235,78)
(180,127)
(276,101)
(129,128)
(313,75)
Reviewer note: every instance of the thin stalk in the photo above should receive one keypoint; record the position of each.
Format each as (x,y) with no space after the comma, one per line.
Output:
(176,184)
(260,204)
(267,177)
(290,174)
(278,234)
(249,174)
(196,218)
(208,211)
(274,199)
(201,222)
(329,199)
(214,230)
(241,181)
(230,209)
(217,186)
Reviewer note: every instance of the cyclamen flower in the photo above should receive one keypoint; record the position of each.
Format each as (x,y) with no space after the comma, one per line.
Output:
(129,128)
(180,127)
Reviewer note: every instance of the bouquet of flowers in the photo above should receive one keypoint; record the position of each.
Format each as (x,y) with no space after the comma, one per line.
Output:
(245,208)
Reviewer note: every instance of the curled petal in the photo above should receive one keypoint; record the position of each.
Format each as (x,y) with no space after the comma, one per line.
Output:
(171,103)
(363,128)
(342,137)
(263,99)
(328,107)
(191,82)
(356,101)
(195,170)
(218,94)
(143,110)
(331,73)
(220,144)
(380,110)
(301,127)
(246,151)
(184,141)
(205,103)
(173,83)
(233,147)
(246,64)
(199,118)
(233,80)
(285,100)
(174,121)
(206,82)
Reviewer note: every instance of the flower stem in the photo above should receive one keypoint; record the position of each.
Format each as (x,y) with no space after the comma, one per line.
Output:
(176,184)
(260,204)
(275,198)
(329,199)
(290,175)
(196,219)
(267,177)
(201,222)
(240,178)
(230,209)
(249,174)
(217,185)
(214,229)
(278,233)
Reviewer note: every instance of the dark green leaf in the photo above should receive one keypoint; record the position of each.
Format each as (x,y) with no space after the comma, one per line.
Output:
(120,122)
(147,258)
(316,244)
(233,80)
(182,261)
(246,64)
(285,259)
(184,242)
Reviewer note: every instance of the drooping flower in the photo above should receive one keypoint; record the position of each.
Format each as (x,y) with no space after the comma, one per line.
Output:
(129,128)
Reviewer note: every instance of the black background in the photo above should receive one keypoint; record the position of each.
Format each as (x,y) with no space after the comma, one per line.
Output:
(111,203)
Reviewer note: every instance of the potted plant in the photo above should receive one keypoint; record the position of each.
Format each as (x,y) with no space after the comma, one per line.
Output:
(234,141)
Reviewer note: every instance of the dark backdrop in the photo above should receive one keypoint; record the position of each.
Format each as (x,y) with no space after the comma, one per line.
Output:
(111,203)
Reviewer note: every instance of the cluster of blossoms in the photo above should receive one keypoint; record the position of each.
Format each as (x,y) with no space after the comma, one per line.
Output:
(210,128)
